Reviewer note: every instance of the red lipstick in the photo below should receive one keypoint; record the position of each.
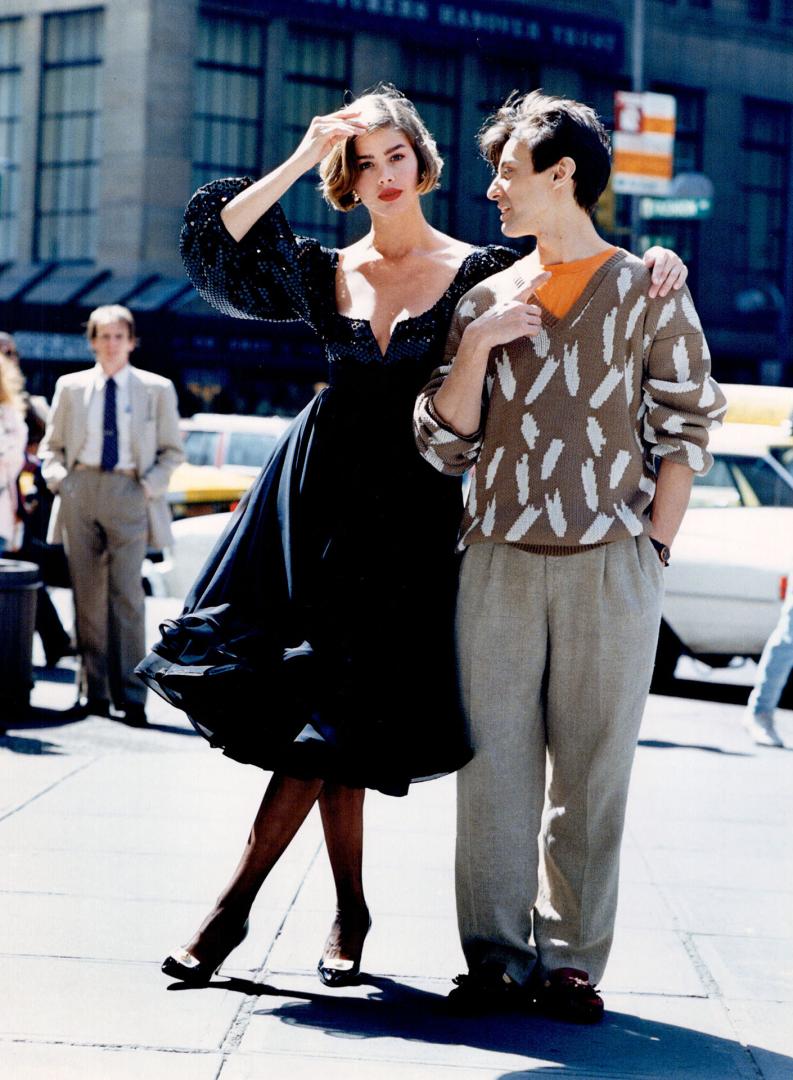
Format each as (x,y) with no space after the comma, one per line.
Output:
(390,194)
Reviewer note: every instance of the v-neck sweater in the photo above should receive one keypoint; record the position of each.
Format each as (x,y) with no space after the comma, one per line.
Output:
(568,280)
(575,418)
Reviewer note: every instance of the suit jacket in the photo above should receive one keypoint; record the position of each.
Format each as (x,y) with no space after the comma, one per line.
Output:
(156,441)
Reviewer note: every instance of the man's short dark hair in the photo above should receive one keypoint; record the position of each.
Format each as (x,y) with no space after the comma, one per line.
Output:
(553,128)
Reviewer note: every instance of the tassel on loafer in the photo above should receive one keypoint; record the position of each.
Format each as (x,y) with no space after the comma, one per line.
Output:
(183,966)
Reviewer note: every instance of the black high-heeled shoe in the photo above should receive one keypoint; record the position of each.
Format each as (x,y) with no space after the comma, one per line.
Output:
(336,973)
(183,966)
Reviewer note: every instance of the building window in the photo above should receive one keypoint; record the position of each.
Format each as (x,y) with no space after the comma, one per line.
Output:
(498,80)
(10,112)
(69,150)
(316,73)
(431,82)
(759,10)
(766,179)
(228,98)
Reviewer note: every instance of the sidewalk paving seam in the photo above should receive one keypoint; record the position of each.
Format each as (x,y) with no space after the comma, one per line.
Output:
(23,1040)
(241,1019)
(709,983)
(54,784)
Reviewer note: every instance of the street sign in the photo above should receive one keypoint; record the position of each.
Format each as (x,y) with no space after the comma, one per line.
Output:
(643,142)
(675,209)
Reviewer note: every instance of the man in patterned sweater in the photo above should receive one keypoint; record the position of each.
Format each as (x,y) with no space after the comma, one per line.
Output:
(586,413)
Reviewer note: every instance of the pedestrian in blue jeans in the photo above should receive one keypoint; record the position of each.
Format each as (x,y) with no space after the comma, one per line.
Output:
(772,675)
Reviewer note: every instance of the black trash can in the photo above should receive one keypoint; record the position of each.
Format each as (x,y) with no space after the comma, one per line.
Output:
(18,584)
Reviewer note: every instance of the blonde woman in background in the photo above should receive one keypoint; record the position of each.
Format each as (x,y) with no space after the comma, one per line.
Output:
(13,439)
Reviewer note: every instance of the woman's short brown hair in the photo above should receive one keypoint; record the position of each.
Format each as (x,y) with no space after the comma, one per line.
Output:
(106,314)
(384,106)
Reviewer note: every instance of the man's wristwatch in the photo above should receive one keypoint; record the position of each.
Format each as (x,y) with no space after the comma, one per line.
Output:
(663,551)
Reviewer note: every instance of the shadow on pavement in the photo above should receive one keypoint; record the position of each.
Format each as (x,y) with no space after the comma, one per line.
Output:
(724,693)
(18,744)
(623,1044)
(55,674)
(661,744)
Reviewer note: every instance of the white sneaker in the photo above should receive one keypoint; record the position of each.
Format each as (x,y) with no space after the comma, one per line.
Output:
(761,727)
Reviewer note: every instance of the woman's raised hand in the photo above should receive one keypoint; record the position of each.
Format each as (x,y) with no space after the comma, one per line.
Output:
(513,318)
(325,131)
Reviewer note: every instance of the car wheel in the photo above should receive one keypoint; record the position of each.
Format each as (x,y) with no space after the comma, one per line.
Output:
(667,653)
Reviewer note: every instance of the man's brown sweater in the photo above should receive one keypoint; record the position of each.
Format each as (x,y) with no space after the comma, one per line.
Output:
(573,418)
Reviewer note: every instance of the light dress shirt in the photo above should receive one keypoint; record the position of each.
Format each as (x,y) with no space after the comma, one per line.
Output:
(91,450)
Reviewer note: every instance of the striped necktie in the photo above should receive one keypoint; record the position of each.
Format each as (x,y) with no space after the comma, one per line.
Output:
(110,429)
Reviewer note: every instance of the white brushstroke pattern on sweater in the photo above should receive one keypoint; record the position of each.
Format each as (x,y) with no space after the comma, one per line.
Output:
(681,360)
(690,311)
(506,376)
(610,381)
(551,457)
(522,478)
(609,324)
(624,282)
(633,317)
(618,467)
(597,440)
(667,314)
(489,520)
(492,468)
(541,343)
(628,518)
(529,430)
(546,373)
(571,376)
(558,522)
(527,518)
(598,529)
(589,481)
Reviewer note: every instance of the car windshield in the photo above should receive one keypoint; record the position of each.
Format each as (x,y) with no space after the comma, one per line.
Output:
(250,448)
(743,480)
(201,447)
(784,455)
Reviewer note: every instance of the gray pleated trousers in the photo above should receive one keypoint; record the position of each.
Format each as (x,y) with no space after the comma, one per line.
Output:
(555,656)
(105,530)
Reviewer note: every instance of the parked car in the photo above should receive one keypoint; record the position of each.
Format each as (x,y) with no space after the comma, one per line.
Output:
(224,455)
(204,489)
(194,538)
(238,443)
(750,404)
(733,553)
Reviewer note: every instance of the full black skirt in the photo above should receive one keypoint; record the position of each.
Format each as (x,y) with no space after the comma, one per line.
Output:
(318,638)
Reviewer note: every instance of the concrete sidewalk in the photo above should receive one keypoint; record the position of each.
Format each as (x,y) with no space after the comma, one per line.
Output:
(115,841)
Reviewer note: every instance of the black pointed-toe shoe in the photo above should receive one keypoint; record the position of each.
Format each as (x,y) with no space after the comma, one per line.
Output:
(338,972)
(183,966)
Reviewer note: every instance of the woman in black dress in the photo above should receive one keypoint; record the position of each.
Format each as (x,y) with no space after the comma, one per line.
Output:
(300,648)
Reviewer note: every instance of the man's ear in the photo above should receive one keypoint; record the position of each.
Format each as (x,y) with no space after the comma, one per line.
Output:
(562,172)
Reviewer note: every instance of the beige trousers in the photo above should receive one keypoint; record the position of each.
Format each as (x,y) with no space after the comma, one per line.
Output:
(555,657)
(105,530)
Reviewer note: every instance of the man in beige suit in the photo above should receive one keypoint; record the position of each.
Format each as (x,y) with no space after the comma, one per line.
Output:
(112,443)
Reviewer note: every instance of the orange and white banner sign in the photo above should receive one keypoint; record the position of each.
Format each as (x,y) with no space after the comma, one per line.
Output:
(643,143)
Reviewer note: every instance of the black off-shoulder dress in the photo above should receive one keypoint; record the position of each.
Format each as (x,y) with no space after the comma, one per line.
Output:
(309,643)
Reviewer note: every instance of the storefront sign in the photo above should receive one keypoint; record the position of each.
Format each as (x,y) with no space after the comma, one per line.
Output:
(486,24)
(644,141)
(680,209)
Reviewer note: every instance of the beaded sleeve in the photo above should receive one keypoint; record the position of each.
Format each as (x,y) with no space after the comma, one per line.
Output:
(270,274)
